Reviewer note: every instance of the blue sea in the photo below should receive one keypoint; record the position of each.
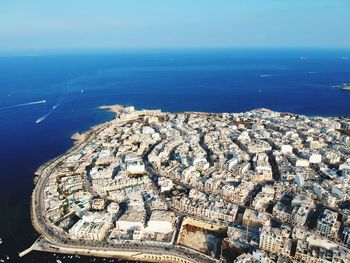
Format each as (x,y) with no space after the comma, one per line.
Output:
(46,97)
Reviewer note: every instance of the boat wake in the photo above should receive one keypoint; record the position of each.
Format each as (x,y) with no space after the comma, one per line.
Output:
(23,104)
(54,107)
(42,118)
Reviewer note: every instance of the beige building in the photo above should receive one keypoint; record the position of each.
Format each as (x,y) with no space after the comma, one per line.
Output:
(273,240)
(90,230)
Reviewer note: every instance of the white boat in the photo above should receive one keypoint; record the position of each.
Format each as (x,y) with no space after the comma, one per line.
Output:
(40,119)
(345,86)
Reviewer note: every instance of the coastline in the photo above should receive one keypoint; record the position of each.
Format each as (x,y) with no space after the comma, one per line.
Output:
(77,138)
(81,136)
(113,108)
(81,140)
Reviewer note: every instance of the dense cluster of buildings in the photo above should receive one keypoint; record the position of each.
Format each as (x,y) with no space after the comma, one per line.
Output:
(278,181)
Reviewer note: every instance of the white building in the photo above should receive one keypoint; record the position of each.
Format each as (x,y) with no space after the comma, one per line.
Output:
(89,230)
(286,149)
(161,221)
(315,158)
(135,167)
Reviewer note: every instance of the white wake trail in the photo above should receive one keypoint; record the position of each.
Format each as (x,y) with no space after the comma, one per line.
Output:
(23,104)
(42,118)
(54,107)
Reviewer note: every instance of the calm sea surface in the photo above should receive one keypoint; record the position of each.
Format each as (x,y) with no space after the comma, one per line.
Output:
(73,85)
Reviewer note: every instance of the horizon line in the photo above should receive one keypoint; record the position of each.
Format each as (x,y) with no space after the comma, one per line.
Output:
(81,50)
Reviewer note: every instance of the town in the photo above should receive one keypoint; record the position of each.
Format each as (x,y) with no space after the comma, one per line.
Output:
(258,186)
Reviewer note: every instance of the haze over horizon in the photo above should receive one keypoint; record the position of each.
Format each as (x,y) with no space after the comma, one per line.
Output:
(39,25)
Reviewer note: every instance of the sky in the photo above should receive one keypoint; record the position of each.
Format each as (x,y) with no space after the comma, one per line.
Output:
(91,24)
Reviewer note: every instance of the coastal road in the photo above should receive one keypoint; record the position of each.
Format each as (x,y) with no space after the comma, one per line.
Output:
(58,239)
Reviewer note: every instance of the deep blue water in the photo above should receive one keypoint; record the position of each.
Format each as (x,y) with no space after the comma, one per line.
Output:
(299,81)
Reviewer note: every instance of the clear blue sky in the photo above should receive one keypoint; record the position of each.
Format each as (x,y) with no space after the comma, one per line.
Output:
(50,24)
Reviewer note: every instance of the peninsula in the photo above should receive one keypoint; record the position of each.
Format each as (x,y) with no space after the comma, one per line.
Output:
(153,186)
